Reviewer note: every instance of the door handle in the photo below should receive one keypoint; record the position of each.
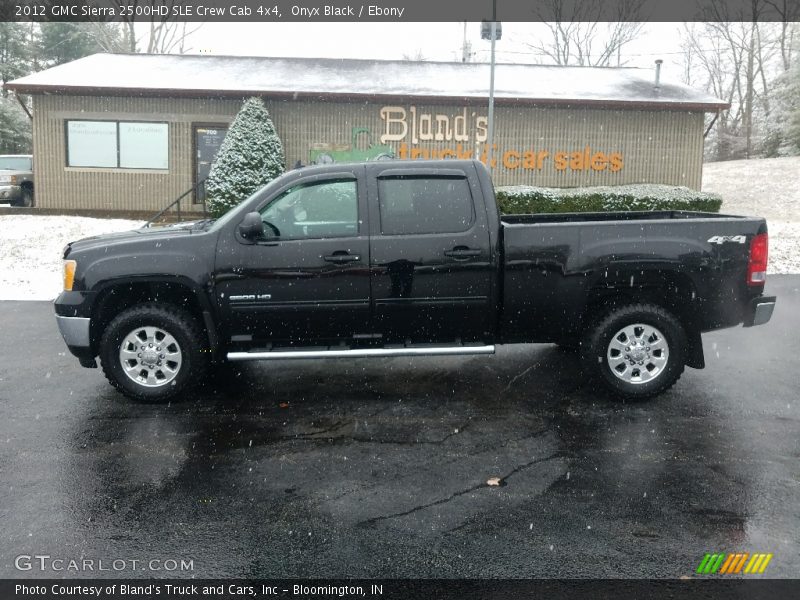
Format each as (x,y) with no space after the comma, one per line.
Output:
(341,257)
(462,253)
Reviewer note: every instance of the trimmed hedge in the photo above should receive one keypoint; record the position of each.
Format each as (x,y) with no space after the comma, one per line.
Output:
(520,199)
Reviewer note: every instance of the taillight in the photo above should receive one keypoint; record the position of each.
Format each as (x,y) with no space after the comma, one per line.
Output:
(757,267)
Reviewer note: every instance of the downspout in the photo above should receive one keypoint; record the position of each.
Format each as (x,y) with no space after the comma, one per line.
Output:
(710,125)
(25,108)
(705,134)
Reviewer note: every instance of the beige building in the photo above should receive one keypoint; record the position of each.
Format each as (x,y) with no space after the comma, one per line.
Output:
(134,132)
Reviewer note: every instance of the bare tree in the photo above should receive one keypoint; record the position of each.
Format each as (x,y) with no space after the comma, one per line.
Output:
(152,34)
(789,12)
(578,35)
(739,57)
(721,50)
(109,36)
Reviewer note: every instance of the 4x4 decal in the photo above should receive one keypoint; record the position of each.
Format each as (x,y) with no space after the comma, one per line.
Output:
(721,239)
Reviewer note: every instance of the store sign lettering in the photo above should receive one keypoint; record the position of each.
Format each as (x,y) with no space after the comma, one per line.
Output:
(415,132)
(398,123)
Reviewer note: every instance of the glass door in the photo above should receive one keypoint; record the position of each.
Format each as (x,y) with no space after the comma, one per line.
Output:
(207,141)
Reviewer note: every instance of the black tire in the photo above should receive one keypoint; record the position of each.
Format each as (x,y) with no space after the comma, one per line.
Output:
(27,198)
(662,354)
(191,357)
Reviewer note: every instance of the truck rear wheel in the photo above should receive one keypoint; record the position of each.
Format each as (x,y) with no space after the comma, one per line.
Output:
(153,352)
(636,351)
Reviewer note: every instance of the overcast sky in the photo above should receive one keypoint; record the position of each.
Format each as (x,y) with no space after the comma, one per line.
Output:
(435,41)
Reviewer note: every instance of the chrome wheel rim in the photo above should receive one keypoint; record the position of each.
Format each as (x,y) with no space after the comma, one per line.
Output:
(637,353)
(150,356)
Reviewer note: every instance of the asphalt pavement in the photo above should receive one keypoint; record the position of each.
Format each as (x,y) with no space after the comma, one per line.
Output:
(378,468)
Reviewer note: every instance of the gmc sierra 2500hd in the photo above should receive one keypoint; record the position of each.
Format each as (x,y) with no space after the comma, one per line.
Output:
(408,258)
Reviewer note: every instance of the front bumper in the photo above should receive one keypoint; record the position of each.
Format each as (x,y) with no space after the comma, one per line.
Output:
(74,330)
(759,311)
(10,192)
(76,333)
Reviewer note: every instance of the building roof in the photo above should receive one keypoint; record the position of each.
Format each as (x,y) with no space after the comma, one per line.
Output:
(199,75)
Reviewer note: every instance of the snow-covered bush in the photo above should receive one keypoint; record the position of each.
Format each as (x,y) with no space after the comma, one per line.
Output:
(520,199)
(251,155)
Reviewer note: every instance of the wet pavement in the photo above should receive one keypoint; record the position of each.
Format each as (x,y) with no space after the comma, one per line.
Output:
(378,468)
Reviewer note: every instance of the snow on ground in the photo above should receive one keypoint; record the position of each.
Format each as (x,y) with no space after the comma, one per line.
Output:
(31,249)
(784,247)
(31,246)
(768,187)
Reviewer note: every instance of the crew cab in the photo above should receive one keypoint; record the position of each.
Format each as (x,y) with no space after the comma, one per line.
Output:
(408,258)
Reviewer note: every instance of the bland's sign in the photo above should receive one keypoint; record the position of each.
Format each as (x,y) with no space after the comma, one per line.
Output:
(421,135)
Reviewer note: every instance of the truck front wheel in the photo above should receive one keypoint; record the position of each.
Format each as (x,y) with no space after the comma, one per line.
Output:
(27,198)
(636,351)
(153,352)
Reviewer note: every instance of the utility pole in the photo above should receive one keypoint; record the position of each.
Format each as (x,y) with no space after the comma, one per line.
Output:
(490,139)
(492,31)
(464,46)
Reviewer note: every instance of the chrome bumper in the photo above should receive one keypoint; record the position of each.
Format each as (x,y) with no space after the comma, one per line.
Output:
(10,192)
(74,330)
(760,311)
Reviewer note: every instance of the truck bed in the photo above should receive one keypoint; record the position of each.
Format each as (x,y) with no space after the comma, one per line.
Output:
(610,216)
(569,259)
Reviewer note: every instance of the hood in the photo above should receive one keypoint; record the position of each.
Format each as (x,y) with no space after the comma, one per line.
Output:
(135,236)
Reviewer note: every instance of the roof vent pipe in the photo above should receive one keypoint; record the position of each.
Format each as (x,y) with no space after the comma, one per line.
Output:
(658,74)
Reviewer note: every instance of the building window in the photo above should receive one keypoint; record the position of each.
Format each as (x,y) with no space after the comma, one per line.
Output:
(143,146)
(92,144)
(118,145)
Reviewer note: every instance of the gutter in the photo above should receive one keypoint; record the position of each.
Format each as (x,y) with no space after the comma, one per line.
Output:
(401,98)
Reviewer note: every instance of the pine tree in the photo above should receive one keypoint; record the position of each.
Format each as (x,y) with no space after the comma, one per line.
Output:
(62,42)
(15,53)
(250,157)
(15,61)
(15,128)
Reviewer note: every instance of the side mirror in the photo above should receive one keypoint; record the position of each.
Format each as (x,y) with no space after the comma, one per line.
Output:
(251,226)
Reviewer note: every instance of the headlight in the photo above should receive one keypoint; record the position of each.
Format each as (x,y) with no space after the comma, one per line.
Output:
(69,274)
(6,179)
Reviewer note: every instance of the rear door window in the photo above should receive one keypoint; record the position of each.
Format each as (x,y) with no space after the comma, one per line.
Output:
(414,205)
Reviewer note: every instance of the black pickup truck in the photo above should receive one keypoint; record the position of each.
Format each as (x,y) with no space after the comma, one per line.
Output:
(404,259)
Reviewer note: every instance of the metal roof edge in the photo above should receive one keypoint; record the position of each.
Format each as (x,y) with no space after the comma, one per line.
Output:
(43,89)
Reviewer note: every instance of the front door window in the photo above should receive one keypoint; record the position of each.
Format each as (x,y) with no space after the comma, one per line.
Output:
(319,210)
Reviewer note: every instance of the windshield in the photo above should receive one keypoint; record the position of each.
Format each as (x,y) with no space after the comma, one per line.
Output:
(217,224)
(15,163)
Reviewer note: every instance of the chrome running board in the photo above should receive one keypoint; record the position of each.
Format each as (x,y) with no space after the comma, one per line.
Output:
(282,354)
